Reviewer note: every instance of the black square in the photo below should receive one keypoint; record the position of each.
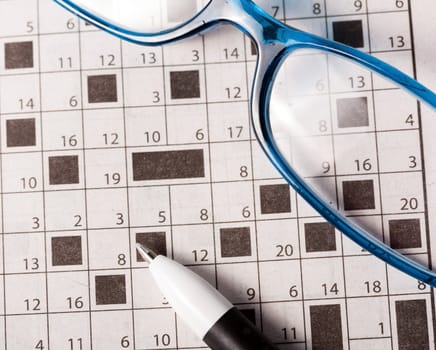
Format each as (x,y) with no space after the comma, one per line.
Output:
(250,314)
(110,289)
(275,199)
(405,233)
(19,55)
(358,195)
(102,88)
(352,112)
(185,84)
(320,237)
(349,33)
(156,241)
(235,242)
(63,170)
(66,250)
(20,132)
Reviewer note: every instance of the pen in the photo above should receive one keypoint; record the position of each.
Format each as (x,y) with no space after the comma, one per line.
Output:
(208,313)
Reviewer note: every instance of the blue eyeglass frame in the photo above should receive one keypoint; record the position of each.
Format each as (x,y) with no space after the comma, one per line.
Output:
(275,41)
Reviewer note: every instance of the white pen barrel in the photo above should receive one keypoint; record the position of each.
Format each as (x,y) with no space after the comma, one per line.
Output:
(195,301)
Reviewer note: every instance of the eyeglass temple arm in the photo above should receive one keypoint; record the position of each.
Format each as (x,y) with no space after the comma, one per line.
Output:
(268,66)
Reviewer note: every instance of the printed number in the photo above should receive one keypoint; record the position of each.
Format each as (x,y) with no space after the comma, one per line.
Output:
(325,167)
(358,5)
(156,97)
(235,132)
(77,221)
(382,328)
(373,287)
(195,55)
(412,162)
(409,203)
(363,165)
(26,104)
(65,62)
(69,141)
(234,92)
(410,120)
(200,255)
(112,179)
(33,304)
(284,250)
(421,285)
(39,345)
(29,27)
(399,4)
(246,213)
(148,58)
(199,135)
(243,171)
(163,339)
(107,60)
(322,126)
(333,289)
(162,217)
(231,53)
(77,341)
(293,292)
(73,102)
(29,183)
(317,8)
(120,219)
(152,136)
(111,139)
(122,259)
(75,303)
(293,333)
(36,225)
(251,292)
(275,10)
(357,82)
(397,41)
(204,215)
(125,342)
(32,263)
(71,23)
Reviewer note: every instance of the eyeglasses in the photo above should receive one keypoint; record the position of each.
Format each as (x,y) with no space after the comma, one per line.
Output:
(328,116)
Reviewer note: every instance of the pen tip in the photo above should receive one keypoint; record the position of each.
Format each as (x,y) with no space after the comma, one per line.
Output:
(146,253)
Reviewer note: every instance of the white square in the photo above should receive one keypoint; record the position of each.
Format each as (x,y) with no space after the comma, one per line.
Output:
(229,122)
(155,329)
(105,168)
(149,206)
(104,55)
(285,274)
(227,206)
(145,126)
(30,206)
(68,291)
(239,282)
(26,294)
(62,130)
(103,128)
(323,278)
(191,204)
(225,44)
(24,253)
(226,82)
(65,210)
(365,276)
(143,87)
(138,55)
(194,244)
(107,208)
(22,172)
(36,333)
(73,328)
(187,124)
(278,240)
(112,327)
(230,161)
(54,19)
(20,94)
(68,94)
(109,249)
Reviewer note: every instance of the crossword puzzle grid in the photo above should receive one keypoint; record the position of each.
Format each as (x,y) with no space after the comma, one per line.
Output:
(104,144)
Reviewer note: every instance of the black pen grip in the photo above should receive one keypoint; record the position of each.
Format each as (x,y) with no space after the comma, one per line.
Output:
(233,331)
